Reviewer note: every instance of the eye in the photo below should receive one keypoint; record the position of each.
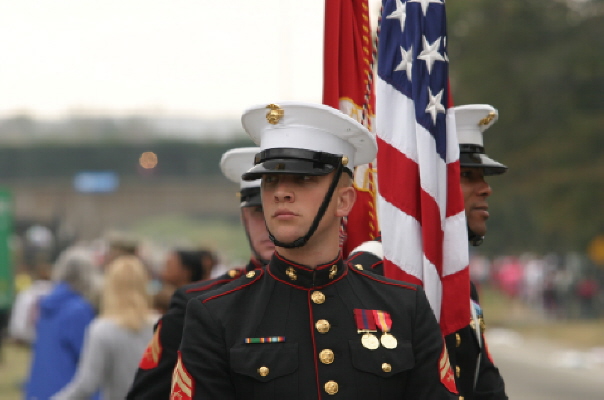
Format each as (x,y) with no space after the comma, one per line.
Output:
(304,178)
(269,178)
(466,174)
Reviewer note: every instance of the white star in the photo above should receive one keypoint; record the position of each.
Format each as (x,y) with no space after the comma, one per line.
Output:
(400,13)
(406,62)
(425,4)
(430,53)
(435,105)
(445,55)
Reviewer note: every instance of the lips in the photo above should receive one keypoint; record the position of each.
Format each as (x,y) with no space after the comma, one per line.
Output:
(283,214)
(482,210)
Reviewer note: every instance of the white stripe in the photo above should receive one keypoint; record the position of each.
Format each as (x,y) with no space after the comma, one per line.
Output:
(401,238)
(433,287)
(432,170)
(452,142)
(396,119)
(455,244)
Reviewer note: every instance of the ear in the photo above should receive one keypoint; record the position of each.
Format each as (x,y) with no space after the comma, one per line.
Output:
(345,200)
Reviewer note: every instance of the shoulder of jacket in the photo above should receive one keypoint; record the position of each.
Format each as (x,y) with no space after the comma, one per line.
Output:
(237,285)
(196,288)
(376,279)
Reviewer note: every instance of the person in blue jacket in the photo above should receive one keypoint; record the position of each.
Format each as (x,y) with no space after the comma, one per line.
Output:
(64,315)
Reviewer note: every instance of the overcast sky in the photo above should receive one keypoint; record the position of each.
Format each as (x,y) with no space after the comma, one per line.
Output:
(171,57)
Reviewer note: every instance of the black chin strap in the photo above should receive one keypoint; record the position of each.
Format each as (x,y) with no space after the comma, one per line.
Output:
(474,238)
(302,240)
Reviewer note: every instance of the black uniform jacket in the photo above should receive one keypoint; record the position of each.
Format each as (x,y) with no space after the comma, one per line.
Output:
(289,332)
(463,347)
(154,375)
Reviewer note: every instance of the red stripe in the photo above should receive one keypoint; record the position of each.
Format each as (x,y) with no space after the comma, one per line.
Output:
(455,203)
(456,294)
(398,179)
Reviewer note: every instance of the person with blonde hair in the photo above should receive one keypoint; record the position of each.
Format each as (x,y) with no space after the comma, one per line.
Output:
(117,338)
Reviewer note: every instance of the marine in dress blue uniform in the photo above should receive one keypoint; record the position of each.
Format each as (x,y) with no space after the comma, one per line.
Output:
(476,376)
(319,331)
(154,375)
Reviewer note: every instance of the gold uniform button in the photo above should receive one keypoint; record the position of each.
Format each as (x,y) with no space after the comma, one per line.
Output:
(460,397)
(326,356)
(457,371)
(323,326)
(386,367)
(359,267)
(263,371)
(250,274)
(331,387)
(233,273)
(457,340)
(317,297)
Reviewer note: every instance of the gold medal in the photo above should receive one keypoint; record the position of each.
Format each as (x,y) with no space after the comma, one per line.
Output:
(369,341)
(388,341)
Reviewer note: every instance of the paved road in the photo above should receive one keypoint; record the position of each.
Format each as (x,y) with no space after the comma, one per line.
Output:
(536,370)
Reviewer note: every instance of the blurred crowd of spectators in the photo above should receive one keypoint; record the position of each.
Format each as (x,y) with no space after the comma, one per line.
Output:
(560,287)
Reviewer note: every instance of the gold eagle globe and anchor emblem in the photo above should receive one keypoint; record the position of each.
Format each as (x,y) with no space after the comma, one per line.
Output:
(275,114)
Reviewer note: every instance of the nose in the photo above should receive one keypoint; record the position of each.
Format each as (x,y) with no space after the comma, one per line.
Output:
(484,189)
(283,192)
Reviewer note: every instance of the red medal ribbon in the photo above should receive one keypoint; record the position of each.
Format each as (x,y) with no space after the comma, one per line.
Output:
(364,320)
(383,320)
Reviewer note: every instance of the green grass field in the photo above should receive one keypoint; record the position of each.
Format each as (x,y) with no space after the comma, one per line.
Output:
(13,369)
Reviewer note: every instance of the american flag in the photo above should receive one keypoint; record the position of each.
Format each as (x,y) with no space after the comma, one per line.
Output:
(348,86)
(420,205)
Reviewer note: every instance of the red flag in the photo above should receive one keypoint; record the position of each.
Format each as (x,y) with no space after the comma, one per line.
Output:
(348,86)
(421,208)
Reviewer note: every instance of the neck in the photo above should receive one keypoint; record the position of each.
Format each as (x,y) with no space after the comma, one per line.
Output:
(317,251)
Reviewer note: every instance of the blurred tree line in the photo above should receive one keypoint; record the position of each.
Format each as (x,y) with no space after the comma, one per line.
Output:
(176,159)
(541,64)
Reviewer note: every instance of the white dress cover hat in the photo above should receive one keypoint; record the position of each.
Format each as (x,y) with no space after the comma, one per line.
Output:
(305,138)
(471,121)
(234,163)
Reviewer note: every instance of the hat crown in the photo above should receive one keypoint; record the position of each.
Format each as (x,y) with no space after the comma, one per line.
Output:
(236,162)
(314,127)
(472,120)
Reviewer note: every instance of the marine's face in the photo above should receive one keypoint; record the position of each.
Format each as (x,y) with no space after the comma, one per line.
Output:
(475,191)
(291,202)
(253,220)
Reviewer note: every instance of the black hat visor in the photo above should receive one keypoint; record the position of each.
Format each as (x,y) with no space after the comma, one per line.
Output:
(292,161)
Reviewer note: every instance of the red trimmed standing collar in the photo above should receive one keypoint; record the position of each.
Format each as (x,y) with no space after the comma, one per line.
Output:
(304,277)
